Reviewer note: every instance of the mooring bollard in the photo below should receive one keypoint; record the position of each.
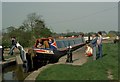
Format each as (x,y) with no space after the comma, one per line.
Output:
(69,55)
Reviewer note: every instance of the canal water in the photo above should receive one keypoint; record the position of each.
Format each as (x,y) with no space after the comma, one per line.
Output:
(14,72)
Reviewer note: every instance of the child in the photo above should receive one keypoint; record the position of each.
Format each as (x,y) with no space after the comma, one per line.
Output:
(89,51)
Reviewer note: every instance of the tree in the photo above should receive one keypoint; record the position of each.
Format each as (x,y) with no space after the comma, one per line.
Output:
(112,33)
(41,30)
(33,27)
(10,29)
(30,22)
(36,25)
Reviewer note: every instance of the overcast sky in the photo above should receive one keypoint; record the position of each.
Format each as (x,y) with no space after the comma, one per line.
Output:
(63,16)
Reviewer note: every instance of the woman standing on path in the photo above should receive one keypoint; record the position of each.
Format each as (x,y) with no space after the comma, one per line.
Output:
(94,44)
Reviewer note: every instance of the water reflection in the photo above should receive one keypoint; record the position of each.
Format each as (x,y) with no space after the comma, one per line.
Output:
(8,76)
(14,73)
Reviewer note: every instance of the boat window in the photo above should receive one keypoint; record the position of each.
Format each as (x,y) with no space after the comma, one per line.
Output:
(71,42)
(65,43)
(60,44)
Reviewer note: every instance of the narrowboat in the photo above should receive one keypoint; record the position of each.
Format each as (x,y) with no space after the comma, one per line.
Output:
(49,50)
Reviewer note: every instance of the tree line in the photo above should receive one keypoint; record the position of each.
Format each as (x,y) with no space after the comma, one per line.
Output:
(32,28)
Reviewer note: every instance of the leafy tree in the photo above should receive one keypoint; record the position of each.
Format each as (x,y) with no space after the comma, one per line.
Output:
(30,22)
(112,32)
(10,29)
(33,27)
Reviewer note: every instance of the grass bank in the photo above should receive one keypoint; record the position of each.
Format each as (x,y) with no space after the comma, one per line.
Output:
(92,70)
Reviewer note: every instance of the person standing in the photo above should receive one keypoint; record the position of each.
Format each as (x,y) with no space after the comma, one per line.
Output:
(94,44)
(13,45)
(99,43)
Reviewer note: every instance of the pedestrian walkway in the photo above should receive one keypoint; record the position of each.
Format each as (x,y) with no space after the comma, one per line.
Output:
(78,57)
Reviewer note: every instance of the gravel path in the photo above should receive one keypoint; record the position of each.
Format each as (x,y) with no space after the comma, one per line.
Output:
(78,57)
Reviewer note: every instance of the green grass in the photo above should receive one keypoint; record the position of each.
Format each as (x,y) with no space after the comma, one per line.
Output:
(92,70)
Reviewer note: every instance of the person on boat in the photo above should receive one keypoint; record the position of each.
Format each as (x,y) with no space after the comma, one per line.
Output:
(52,44)
(39,44)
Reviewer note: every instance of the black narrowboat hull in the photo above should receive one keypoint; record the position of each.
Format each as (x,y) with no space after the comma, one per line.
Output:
(45,56)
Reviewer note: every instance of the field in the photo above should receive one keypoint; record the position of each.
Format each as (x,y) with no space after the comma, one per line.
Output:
(105,68)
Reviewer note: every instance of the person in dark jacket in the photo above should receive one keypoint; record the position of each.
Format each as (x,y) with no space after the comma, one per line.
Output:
(52,44)
(94,45)
(99,43)
(13,45)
